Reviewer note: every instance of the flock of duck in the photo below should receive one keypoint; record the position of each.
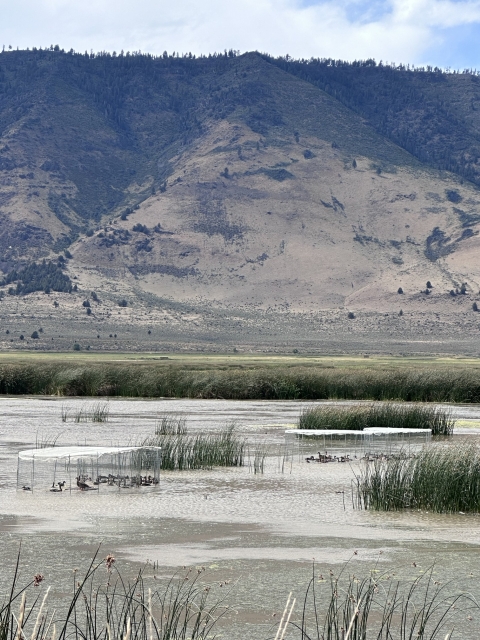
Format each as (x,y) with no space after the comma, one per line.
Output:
(368,457)
(110,480)
(325,457)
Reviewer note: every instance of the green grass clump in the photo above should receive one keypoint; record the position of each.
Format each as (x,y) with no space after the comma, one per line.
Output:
(444,479)
(385,416)
(97,412)
(182,451)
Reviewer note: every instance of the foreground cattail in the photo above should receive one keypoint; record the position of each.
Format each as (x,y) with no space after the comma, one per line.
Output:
(21,616)
(40,614)
(129,630)
(287,612)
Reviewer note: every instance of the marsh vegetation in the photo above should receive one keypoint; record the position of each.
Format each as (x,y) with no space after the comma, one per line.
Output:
(152,379)
(97,412)
(442,479)
(183,451)
(105,605)
(384,415)
(112,608)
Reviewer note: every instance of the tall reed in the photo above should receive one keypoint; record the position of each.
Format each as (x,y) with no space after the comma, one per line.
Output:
(119,610)
(384,415)
(304,383)
(181,451)
(380,607)
(105,606)
(443,479)
(169,425)
(97,412)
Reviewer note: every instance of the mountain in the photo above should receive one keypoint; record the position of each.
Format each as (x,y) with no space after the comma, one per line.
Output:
(238,191)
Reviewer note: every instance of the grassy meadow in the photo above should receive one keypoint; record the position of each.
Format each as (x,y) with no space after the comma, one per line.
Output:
(242,377)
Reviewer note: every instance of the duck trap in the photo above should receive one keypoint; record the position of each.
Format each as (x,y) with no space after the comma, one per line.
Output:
(83,468)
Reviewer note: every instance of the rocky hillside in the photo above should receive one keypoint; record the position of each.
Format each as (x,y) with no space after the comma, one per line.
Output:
(237,183)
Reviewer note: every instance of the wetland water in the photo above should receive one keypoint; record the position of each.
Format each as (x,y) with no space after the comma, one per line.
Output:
(257,532)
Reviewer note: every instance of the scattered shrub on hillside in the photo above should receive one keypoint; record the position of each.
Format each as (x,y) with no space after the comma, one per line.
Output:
(141,228)
(43,276)
(351,315)
(94,296)
(429,285)
(89,233)
(453,196)
(35,335)
(463,288)
(76,347)
(399,290)
(89,311)
(86,303)
(22,337)
(122,303)
(475,306)
(452,293)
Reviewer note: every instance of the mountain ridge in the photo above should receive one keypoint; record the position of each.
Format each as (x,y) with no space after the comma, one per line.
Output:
(225,183)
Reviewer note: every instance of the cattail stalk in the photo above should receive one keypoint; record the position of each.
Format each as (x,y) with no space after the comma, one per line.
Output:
(40,613)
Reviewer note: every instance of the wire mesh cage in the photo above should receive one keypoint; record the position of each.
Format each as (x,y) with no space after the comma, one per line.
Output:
(344,445)
(66,469)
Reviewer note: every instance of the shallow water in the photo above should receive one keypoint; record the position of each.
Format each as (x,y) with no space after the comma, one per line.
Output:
(259,533)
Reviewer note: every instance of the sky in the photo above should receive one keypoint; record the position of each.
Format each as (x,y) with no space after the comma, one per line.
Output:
(443,33)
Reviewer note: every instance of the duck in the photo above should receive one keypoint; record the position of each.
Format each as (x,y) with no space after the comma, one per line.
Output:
(60,487)
(83,486)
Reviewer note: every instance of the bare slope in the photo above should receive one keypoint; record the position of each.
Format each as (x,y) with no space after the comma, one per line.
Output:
(218,194)
(293,225)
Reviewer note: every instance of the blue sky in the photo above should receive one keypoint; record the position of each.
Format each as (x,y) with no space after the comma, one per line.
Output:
(444,33)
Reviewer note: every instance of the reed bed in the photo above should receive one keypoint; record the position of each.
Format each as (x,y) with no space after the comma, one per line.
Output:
(46,441)
(97,412)
(378,606)
(443,479)
(106,607)
(182,451)
(382,415)
(276,383)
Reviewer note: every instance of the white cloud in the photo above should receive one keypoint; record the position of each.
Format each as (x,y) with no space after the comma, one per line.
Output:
(393,30)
